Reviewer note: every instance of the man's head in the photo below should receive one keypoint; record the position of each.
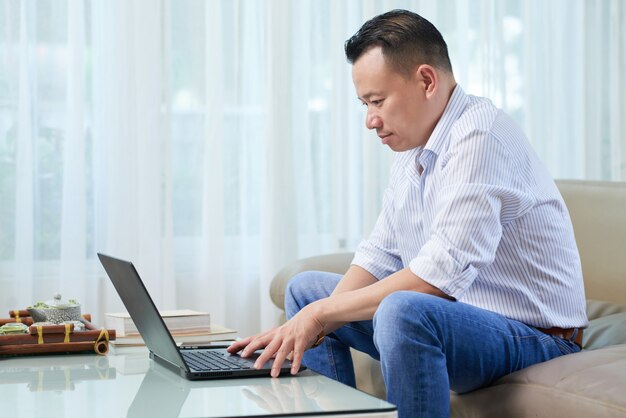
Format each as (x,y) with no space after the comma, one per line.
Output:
(402,73)
(406,39)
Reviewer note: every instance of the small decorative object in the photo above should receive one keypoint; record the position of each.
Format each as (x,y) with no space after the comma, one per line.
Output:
(13,328)
(53,327)
(56,311)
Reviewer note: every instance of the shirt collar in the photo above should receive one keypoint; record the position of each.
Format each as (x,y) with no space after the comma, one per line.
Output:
(453,111)
(439,137)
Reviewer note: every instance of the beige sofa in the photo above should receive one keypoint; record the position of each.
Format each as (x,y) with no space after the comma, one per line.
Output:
(591,383)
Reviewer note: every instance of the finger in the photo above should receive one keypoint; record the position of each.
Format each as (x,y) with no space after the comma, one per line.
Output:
(296,362)
(279,359)
(256,344)
(297,354)
(259,341)
(238,345)
(270,350)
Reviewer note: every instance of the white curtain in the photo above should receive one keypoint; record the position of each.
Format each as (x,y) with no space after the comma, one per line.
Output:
(213,142)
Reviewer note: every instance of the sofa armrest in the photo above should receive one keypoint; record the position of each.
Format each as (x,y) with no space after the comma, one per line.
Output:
(333,263)
(597,212)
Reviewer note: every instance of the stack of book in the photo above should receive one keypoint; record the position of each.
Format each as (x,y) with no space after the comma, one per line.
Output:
(186,326)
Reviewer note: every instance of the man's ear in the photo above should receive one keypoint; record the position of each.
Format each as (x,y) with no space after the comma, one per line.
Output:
(430,79)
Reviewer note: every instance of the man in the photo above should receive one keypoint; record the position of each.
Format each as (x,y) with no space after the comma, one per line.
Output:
(471,271)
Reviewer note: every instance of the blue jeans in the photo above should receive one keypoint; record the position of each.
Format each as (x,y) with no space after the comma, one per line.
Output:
(427,345)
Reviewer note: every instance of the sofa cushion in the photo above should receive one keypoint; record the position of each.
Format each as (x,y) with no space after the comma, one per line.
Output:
(589,383)
(599,308)
(586,384)
(605,331)
(607,325)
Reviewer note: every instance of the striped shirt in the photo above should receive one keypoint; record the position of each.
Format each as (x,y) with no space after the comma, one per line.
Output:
(475,213)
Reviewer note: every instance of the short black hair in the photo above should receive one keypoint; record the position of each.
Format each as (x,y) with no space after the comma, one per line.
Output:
(407,41)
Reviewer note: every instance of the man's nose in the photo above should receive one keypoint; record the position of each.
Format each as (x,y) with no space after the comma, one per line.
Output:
(373,121)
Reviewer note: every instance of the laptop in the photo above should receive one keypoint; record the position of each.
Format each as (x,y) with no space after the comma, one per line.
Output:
(193,363)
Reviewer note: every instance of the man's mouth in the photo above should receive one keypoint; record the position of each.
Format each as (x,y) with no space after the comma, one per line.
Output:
(384,137)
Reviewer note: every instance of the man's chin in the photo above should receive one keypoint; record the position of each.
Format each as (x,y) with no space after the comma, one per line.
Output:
(399,147)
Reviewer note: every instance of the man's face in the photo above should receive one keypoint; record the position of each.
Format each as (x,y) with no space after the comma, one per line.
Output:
(397,106)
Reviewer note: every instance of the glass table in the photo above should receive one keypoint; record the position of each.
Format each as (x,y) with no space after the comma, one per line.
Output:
(129,384)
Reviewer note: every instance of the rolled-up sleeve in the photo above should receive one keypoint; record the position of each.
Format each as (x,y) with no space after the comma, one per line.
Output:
(379,254)
(478,196)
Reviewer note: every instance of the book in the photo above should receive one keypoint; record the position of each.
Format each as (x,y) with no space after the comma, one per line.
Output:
(177,321)
(214,334)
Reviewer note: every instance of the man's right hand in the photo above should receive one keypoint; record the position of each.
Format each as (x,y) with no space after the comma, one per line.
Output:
(289,340)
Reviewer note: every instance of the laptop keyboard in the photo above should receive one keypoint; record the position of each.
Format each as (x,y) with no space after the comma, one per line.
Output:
(214,360)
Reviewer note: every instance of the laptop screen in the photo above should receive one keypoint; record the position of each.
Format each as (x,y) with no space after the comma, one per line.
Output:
(142,310)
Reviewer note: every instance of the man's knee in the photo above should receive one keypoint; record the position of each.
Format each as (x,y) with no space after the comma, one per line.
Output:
(298,283)
(401,315)
(395,306)
(307,287)
(296,291)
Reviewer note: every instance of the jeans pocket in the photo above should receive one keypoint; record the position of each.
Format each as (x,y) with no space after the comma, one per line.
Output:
(565,346)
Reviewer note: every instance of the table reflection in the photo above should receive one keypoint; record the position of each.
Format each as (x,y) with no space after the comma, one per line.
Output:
(163,393)
(56,373)
(285,395)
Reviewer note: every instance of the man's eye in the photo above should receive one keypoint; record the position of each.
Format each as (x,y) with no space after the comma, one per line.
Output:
(377,102)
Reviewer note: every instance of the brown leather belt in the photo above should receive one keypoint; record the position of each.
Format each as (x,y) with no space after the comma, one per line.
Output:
(565,333)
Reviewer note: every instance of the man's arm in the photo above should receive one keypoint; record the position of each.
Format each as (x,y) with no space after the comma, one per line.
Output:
(355,278)
(348,304)
(353,300)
